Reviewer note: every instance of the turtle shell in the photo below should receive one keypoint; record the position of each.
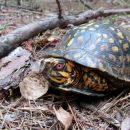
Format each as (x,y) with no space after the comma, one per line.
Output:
(99,45)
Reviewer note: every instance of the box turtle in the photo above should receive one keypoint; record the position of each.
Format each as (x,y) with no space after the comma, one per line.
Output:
(92,59)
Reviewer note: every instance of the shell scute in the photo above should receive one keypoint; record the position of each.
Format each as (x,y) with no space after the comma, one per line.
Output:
(99,45)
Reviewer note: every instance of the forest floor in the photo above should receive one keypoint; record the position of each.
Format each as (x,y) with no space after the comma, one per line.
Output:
(106,113)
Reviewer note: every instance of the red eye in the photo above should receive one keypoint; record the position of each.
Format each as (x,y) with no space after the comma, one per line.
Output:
(59,66)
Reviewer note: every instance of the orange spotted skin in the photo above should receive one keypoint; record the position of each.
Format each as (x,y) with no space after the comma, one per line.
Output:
(75,76)
(102,52)
(93,81)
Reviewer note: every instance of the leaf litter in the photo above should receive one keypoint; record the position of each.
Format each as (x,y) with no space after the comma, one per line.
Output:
(64,117)
(109,113)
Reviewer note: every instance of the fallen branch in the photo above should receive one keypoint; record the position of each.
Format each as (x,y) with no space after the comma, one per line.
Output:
(13,68)
(16,37)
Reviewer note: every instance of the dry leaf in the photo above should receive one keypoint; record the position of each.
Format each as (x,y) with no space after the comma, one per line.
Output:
(125,125)
(33,86)
(5,31)
(28,45)
(43,39)
(64,117)
(53,38)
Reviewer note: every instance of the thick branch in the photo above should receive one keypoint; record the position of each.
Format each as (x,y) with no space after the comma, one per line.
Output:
(13,67)
(16,37)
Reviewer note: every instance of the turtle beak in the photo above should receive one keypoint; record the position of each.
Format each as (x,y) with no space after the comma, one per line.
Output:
(43,62)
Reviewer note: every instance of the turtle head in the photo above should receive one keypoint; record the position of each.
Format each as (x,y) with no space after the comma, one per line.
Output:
(60,71)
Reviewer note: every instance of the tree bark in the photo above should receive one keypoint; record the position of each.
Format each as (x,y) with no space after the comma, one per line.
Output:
(13,68)
(16,37)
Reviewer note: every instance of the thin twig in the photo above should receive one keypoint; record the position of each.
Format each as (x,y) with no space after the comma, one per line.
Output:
(115,101)
(106,117)
(124,106)
(86,4)
(59,9)
(73,115)
(124,98)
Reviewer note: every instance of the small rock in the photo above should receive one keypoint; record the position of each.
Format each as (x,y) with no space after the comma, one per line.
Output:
(10,117)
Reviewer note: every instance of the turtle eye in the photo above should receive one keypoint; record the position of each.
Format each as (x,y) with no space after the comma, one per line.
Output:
(59,66)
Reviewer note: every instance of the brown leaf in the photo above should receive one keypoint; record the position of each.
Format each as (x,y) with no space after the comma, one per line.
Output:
(28,45)
(53,40)
(43,39)
(125,125)
(64,117)
(5,31)
(33,86)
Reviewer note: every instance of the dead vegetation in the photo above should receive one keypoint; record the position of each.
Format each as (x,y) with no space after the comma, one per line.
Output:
(57,110)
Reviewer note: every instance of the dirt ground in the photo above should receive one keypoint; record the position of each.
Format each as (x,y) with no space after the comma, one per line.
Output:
(106,113)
